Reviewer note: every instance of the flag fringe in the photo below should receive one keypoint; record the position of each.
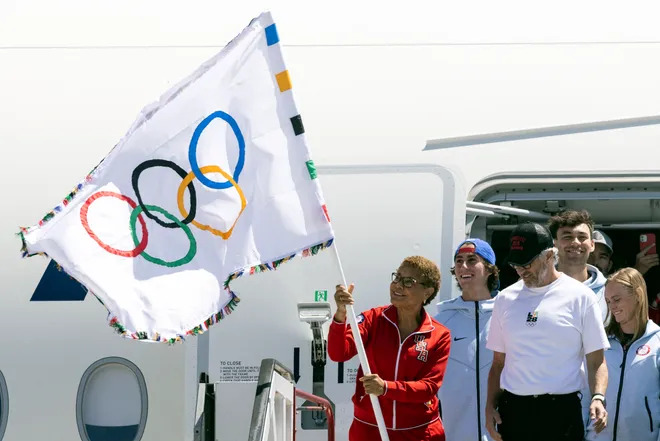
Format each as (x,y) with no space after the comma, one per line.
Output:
(213,319)
(229,308)
(141,335)
(272,266)
(54,212)
(199,329)
(24,250)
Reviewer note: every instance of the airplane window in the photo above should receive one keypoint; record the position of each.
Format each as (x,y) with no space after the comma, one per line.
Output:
(112,401)
(4,405)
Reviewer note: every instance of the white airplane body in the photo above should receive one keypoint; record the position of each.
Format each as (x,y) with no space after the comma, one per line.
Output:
(378,108)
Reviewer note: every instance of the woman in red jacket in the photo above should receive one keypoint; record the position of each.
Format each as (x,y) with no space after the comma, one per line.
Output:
(407,352)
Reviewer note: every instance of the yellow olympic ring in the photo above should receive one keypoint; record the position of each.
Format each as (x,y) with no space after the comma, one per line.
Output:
(182,188)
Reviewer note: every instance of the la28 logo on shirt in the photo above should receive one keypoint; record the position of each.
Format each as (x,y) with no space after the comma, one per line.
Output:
(532,317)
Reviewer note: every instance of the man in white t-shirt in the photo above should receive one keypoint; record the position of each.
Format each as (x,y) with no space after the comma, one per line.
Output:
(541,329)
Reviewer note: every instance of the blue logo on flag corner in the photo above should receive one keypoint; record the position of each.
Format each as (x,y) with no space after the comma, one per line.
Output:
(56,285)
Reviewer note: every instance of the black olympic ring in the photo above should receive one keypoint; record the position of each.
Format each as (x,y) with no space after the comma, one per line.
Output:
(181,172)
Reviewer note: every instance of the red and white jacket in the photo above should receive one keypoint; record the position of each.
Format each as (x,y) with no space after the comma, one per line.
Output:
(412,369)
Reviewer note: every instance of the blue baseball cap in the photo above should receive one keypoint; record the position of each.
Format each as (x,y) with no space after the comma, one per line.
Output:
(481,248)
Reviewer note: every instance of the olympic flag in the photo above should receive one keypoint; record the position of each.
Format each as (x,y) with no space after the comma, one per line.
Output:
(212,181)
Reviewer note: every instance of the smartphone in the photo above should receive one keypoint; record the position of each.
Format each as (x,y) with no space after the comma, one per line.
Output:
(645,240)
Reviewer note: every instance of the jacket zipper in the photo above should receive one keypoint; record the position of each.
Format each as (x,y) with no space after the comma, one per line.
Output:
(476,320)
(396,371)
(396,367)
(618,394)
(648,410)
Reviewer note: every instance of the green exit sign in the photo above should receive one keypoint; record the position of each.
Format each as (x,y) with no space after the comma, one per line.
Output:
(321,296)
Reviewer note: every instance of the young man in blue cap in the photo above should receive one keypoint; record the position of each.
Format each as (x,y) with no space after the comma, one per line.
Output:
(542,328)
(463,394)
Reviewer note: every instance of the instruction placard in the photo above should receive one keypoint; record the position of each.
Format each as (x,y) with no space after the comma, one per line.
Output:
(234,371)
(351,374)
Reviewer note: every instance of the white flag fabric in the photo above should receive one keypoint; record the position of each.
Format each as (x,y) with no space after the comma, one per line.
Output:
(212,181)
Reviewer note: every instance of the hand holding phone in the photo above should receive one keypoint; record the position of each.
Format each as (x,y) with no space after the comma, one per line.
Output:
(647,258)
(647,243)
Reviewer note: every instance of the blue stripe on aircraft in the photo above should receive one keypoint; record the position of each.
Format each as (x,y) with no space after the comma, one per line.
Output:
(56,285)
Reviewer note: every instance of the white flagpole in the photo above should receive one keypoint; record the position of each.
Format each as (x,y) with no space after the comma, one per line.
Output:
(350,316)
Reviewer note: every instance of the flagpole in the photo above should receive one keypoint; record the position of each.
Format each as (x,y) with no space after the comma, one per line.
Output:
(350,315)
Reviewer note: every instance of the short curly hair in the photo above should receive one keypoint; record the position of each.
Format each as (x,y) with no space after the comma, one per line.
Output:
(570,218)
(427,271)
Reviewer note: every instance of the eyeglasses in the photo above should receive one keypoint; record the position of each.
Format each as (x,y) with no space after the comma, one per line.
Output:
(525,267)
(528,266)
(406,282)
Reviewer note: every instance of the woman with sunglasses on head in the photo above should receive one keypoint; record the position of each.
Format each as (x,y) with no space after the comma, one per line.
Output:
(463,398)
(633,362)
(407,352)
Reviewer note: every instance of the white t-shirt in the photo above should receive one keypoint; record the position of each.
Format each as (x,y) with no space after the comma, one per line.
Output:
(545,333)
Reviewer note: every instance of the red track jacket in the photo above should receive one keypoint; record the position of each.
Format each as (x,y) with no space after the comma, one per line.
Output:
(412,369)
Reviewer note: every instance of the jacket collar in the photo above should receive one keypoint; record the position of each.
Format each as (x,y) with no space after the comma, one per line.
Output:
(392,316)
(651,329)
(458,304)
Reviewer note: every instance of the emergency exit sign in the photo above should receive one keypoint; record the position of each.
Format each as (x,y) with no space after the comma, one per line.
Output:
(321,296)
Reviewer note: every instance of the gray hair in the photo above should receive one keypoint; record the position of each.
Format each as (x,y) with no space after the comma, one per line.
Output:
(555,252)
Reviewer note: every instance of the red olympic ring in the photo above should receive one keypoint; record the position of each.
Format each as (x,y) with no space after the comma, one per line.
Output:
(83,218)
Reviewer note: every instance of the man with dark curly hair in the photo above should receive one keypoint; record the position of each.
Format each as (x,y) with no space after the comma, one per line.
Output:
(572,232)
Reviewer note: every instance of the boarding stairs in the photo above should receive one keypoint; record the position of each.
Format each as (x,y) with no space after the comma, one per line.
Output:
(274,413)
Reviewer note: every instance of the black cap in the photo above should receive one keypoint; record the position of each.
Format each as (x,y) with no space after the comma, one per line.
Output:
(527,241)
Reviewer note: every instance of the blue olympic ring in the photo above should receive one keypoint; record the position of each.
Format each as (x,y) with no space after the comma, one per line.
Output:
(192,151)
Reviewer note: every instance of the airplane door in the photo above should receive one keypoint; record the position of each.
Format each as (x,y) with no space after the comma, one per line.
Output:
(381,214)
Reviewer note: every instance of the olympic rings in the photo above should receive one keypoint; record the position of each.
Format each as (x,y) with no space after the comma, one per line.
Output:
(181,172)
(139,247)
(188,180)
(193,244)
(192,151)
(197,172)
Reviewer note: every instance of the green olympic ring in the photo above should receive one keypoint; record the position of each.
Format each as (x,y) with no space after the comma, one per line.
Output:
(193,244)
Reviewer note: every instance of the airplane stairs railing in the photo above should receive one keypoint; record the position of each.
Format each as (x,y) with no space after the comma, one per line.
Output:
(274,410)
(322,405)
